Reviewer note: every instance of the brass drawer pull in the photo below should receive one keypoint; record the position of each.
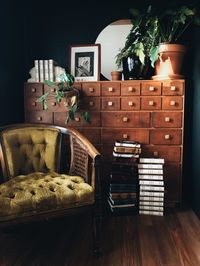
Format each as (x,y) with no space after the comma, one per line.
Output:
(130,89)
(33,90)
(155,153)
(172,103)
(53,90)
(151,103)
(39,118)
(167,119)
(110,89)
(110,103)
(151,88)
(91,89)
(77,119)
(125,119)
(91,103)
(125,136)
(34,104)
(167,137)
(173,88)
(130,103)
(53,104)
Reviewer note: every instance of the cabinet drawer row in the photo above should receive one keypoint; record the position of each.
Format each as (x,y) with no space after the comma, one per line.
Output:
(112,119)
(116,88)
(112,103)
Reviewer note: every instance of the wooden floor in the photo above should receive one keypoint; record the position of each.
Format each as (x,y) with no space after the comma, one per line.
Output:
(171,240)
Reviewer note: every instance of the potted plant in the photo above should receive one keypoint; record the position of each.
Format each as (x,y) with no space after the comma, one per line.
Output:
(135,55)
(65,89)
(167,54)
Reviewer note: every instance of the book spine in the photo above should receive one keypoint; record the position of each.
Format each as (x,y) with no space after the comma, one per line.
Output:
(158,213)
(36,63)
(151,177)
(152,193)
(130,145)
(125,155)
(151,203)
(150,182)
(151,188)
(152,199)
(152,208)
(150,166)
(152,160)
(127,150)
(46,70)
(41,70)
(151,171)
(51,70)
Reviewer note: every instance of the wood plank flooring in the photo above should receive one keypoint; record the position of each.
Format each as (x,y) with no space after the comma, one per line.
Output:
(172,240)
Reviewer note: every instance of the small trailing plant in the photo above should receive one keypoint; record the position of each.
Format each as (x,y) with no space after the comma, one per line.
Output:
(65,89)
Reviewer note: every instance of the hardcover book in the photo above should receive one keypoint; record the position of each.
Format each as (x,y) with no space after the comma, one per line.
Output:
(152,160)
(123,195)
(152,193)
(119,149)
(158,213)
(150,182)
(41,70)
(125,155)
(151,203)
(151,171)
(150,177)
(150,166)
(151,208)
(151,188)
(36,63)
(127,144)
(151,199)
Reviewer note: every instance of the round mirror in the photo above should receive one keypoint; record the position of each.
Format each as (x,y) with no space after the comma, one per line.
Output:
(112,39)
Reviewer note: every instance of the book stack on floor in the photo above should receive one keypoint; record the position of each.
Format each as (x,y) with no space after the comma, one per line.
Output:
(123,196)
(151,186)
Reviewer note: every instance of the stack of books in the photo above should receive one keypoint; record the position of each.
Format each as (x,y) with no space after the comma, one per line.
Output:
(44,70)
(151,186)
(126,149)
(123,188)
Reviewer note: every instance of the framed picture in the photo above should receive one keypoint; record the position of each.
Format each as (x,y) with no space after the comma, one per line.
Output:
(85,62)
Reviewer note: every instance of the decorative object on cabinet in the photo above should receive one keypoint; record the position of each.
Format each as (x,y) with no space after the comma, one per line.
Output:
(64,89)
(116,75)
(85,61)
(135,55)
(147,111)
(112,39)
(35,184)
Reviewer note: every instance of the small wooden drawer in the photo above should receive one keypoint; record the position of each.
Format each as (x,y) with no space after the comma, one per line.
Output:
(130,88)
(60,120)
(55,106)
(93,134)
(130,103)
(166,136)
(110,88)
(170,154)
(77,85)
(31,104)
(91,88)
(111,103)
(126,119)
(150,103)
(33,90)
(110,135)
(173,87)
(151,88)
(39,117)
(91,103)
(167,119)
(172,103)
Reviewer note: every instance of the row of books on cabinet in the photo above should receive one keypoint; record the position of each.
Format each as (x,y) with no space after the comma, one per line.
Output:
(44,70)
(151,186)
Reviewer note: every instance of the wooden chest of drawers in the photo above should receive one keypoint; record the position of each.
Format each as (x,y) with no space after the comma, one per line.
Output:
(151,112)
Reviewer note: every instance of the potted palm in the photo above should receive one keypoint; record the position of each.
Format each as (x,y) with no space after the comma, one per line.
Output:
(135,55)
(167,53)
(65,89)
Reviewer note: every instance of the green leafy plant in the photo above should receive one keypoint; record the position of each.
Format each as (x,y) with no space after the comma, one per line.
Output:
(65,89)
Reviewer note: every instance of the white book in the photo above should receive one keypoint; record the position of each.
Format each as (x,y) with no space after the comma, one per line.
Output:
(151,171)
(125,155)
(127,144)
(152,208)
(150,166)
(152,203)
(51,70)
(158,213)
(46,70)
(36,63)
(152,160)
(151,177)
(41,70)
(151,188)
(121,205)
(152,193)
(151,182)
(152,199)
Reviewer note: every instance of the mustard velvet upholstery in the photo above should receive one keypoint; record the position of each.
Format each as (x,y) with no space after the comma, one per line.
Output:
(30,149)
(38,192)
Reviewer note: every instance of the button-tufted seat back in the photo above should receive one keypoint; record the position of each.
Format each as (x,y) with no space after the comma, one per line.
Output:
(31,149)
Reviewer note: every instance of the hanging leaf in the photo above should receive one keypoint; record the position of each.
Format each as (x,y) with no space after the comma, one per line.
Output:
(139,51)
(153,55)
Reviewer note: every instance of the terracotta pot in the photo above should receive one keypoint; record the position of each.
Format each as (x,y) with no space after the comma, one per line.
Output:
(116,75)
(170,61)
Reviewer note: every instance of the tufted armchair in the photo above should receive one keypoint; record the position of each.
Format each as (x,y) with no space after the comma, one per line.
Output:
(47,171)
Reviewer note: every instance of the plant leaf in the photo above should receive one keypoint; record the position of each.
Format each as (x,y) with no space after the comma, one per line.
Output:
(139,51)
(86,116)
(153,55)
(43,97)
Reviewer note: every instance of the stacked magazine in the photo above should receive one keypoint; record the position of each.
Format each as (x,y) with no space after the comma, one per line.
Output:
(126,149)
(151,186)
